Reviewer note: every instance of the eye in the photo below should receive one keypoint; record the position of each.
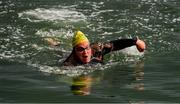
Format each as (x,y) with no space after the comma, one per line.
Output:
(80,49)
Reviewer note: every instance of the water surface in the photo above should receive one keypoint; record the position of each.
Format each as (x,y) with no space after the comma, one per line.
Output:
(31,71)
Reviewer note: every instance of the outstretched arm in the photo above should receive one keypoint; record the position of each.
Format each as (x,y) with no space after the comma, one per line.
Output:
(100,49)
(124,43)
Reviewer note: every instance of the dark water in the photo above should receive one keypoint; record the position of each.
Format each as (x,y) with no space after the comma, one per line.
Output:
(30,70)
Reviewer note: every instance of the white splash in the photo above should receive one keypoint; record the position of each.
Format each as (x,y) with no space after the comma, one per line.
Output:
(63,33)
(52,14)
(132,51)
(63,70)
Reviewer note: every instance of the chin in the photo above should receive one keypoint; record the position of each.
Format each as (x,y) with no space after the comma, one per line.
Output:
(86,61)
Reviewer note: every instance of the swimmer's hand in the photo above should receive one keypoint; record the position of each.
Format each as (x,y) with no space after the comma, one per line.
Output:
(52,41)
(140,45)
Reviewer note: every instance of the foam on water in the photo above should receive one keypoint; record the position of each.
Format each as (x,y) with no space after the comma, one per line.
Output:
(63,21)
(52,14)
(132,51)
(61,33)
(66,70)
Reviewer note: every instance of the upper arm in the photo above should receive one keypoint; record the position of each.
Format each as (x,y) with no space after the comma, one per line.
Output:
(101,48)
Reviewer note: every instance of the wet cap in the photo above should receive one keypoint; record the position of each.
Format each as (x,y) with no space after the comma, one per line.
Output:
(78,38)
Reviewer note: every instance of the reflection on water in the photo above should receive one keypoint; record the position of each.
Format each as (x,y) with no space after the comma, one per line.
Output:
(139,76)
(81,85)
(139,71)
(138,85)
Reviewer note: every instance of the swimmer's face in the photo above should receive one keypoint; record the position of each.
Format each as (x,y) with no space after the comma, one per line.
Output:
(83,52)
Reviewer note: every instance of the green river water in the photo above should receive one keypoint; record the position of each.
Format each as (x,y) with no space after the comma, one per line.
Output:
(31,71)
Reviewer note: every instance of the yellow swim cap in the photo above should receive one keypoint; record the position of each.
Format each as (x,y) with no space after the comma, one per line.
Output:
(79,37)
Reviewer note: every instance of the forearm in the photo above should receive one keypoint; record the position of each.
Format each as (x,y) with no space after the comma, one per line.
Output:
(122,43)
(102,49)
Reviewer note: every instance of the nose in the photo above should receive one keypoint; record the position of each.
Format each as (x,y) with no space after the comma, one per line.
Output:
(85,51)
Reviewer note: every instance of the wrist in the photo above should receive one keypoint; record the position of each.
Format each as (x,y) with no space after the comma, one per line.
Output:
(135,40)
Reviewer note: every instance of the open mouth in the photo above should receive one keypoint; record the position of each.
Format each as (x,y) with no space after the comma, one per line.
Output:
(85,56)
